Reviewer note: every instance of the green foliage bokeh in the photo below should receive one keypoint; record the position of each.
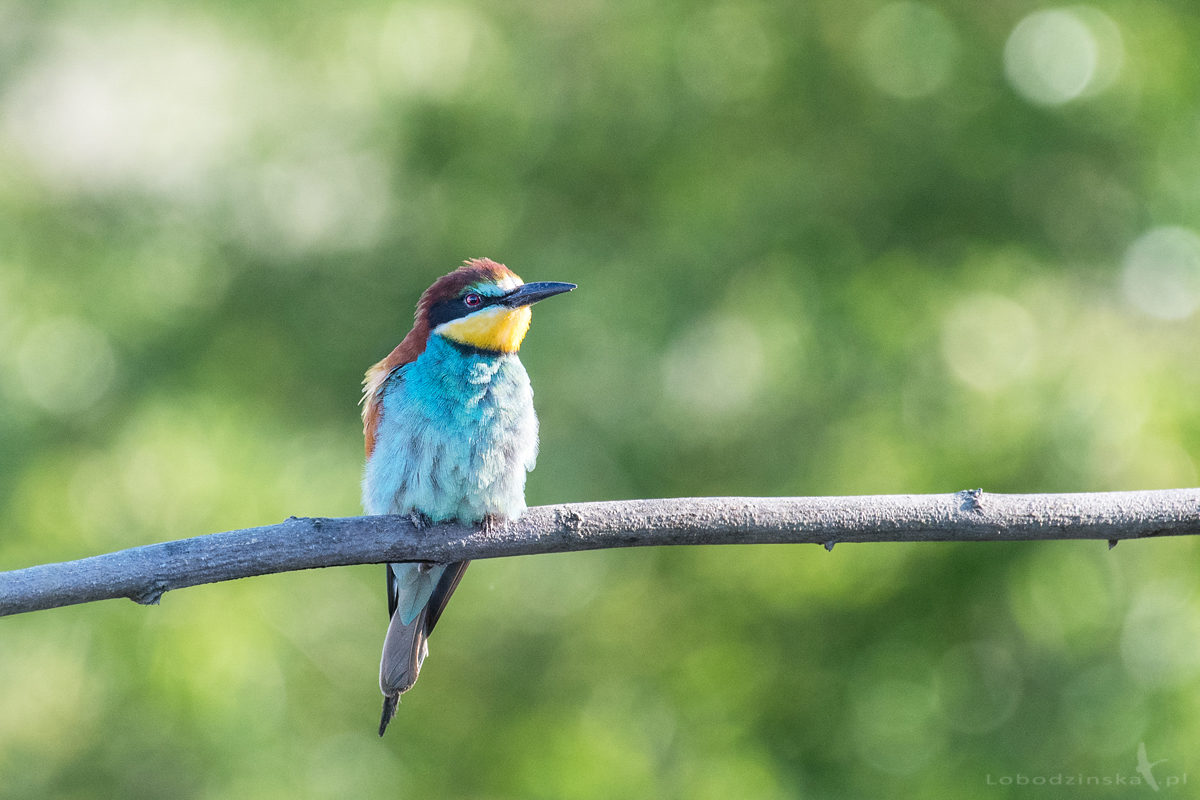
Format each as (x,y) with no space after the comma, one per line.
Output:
(822,248)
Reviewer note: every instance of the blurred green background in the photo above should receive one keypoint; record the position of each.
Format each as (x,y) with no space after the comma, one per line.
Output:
(823,248)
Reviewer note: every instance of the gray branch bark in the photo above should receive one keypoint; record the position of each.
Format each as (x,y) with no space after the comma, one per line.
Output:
(143,573)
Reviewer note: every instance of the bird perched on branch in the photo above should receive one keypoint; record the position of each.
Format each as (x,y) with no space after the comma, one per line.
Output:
(450,433)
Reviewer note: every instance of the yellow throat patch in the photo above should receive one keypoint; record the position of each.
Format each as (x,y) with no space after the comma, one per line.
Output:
(498,328)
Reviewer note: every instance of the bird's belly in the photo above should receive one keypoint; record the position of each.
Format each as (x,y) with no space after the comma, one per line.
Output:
(460,462)
(452,477)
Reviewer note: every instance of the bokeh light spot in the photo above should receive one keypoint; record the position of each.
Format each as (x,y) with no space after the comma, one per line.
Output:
(724,53)
(1063,600)
(989,341)
(172,273)
(9,316)
(65,365)
(715,368)
(430,49)
(1161,274)
(978,686)
(1054,56)
(908,49)
(143,104)
(316,202)
(1161,631)
(56,683)
(896,728)
(1104,711)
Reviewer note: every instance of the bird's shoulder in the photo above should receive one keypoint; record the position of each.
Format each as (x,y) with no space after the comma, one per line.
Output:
(377,378)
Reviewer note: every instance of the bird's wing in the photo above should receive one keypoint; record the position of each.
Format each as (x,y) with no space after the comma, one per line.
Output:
(372,399)
(392,594)
(441,593)
(377,378)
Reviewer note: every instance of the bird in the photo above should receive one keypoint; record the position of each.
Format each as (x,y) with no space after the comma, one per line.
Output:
(1146,767)
(450,434)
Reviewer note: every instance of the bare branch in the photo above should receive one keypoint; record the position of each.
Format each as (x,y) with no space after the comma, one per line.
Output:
(144,573)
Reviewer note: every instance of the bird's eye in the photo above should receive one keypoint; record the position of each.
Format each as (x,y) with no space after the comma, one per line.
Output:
(473,300)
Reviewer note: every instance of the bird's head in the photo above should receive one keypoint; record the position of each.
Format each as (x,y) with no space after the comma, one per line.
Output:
(483,305)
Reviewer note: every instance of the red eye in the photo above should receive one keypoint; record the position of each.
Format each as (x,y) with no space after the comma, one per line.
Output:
(473,300)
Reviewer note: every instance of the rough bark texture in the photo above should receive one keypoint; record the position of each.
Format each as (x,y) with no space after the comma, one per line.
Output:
(144,573)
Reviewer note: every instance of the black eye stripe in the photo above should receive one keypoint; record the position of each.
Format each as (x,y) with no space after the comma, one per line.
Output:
(452,308)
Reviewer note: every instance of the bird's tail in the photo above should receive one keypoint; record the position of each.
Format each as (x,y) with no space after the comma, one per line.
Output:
(389,710)
(419,591)
(404,648)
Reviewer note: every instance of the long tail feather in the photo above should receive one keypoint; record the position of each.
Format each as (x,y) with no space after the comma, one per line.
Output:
(404,649)
(406,646)
(389,710)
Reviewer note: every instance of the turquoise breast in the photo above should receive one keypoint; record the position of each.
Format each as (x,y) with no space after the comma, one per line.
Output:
(456,438)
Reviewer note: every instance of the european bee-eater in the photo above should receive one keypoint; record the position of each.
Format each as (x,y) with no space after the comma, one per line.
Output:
(450,433)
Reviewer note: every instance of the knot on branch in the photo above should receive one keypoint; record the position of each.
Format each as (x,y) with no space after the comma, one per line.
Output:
(569,520)
(972,500)
(151,595)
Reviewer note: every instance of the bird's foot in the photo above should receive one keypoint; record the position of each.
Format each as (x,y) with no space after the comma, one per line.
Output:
(491,523)
(419,520)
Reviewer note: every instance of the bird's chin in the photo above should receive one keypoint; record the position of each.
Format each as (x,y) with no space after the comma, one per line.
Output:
(495,330)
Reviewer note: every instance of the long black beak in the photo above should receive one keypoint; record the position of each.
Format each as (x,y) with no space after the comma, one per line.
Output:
(530,293)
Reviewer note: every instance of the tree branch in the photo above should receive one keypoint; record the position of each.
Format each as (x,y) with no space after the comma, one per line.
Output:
(144,573)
